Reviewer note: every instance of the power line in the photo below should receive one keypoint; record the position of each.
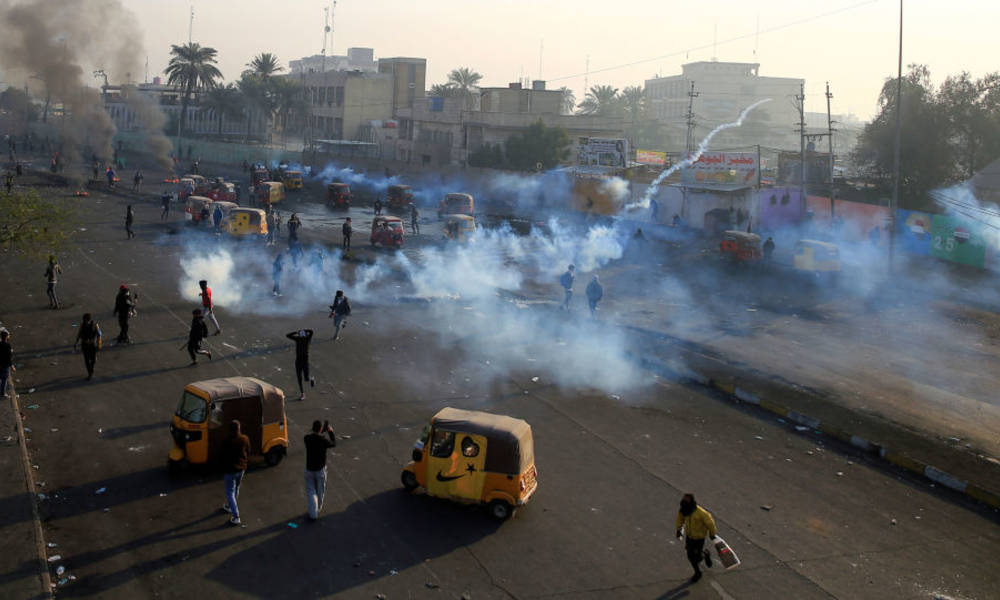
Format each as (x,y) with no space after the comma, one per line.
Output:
(727,41)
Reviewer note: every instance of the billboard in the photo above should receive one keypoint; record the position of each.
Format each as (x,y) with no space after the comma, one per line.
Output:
(790,167)
(722,167)
(651,157)
(958,240)
(602,152)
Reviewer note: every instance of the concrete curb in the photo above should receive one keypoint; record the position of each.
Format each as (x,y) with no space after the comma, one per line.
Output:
(897,458)
(29,479)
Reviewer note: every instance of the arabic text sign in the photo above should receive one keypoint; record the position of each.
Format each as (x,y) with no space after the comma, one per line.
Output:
(650,157)
(722,167)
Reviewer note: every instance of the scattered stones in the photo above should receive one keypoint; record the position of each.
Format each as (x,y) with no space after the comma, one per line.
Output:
(766,507)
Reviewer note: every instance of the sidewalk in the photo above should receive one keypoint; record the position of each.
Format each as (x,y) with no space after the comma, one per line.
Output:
(22,573)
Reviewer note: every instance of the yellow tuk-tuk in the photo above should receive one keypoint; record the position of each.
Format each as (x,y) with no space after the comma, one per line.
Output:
(193,208)
(200,424)
(459,227)
(292,180)
(269,192)
(814,256)
(475,457)
(245,222)
(456,204)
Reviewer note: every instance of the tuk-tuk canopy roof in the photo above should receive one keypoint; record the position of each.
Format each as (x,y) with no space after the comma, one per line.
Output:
(243,209)
(509,447)
(200,199)
(827,245)
(271,184)
(238,387)
(387,219)
(458,196)
(742,235)
(225,204)
(192,177)
(398,187)
(460,217)
(337,185)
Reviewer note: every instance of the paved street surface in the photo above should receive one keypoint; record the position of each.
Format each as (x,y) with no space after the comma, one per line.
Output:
(808,520)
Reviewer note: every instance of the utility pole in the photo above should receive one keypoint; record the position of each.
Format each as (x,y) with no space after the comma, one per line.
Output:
(802,143)
(829,138)
(586,78)
(690,121)
(191,25)
(899,129)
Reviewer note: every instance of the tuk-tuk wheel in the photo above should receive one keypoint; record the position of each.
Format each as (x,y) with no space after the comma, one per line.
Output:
(174,467)
(409,481)
(274,456)
(500,510)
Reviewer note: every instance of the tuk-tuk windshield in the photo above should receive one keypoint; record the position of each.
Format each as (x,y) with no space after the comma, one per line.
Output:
(191,408)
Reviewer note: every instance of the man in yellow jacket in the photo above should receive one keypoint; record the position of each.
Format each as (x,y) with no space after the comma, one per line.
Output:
(697,523)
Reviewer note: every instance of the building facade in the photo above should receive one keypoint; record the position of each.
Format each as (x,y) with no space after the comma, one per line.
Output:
(723,90)
(341,103)
(357,59)
(409,79)
(444,131)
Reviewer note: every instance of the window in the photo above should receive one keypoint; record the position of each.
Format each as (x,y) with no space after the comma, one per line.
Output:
(470,448)
(443,444)
(339,92)
(191,408)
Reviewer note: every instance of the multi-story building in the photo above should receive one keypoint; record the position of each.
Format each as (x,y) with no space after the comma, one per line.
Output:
(357,59)
(340,103)
(724,89)
(409,77)
(444,131)
(129,115)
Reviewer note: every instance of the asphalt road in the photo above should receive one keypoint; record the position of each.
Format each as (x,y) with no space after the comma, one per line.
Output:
(808,520)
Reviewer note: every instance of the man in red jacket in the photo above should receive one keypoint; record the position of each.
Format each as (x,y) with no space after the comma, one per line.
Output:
(208,308)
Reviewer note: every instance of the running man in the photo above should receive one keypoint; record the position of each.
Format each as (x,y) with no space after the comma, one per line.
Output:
(302,338)
(208,307)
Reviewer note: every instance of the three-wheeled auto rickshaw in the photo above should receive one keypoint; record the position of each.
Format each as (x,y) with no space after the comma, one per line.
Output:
(269,192)
(200,424)
(338,195)
(817,258)
(292,180)
(456,204)
(222,191)
(459,227)
(399,197)
(259,173)
(185,187)
(245,223)
(387,231)
(475,457)
(741,246)
(193,208)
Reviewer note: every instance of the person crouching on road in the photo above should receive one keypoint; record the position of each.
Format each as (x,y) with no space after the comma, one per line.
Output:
(316,447)
(199,331)
(235,455)
(697,523)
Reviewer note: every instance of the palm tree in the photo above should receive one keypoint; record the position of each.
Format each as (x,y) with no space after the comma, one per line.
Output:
(568,101)
(634,101)
(444,90)
(601,101)
(255,94)
(191,66)
(265,65)
(464,80)
(225,101)
(288,98)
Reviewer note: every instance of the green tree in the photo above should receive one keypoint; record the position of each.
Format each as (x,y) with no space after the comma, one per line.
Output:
(256,97)
(33,226)
(633,100)
(927,160)
(266,65)
(568,101)
(445,90)
(289,99)
(225,101)
(488,156)
(973,110)
(538,144)
(191,67)
(464,80)
(601,101)
(14,100)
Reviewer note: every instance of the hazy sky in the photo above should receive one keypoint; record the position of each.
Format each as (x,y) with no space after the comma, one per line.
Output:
(854,49)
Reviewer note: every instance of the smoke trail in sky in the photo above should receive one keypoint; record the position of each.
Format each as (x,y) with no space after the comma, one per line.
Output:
(693,158)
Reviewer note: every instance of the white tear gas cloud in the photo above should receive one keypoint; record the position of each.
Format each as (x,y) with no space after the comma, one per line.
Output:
(655,185)
(478,274)
(58,43)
